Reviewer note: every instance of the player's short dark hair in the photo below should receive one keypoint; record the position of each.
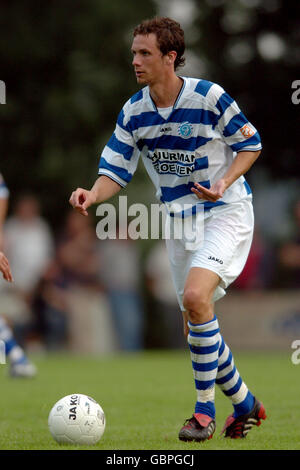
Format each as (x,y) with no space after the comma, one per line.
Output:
(169,35)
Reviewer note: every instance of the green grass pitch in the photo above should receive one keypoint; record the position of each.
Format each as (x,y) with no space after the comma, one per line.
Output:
(146,398)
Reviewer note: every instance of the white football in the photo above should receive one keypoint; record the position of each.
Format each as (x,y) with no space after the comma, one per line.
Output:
(77,419)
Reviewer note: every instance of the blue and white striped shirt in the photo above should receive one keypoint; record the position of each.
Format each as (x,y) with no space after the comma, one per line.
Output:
(196,143)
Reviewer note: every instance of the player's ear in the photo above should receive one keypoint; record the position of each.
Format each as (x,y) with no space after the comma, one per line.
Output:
(171,57)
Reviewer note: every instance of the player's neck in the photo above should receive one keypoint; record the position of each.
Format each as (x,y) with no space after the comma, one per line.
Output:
(164,93)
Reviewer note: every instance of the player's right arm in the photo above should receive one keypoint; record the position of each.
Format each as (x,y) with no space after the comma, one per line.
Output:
(103,189)
(117,165)
(4,264)
(5,268)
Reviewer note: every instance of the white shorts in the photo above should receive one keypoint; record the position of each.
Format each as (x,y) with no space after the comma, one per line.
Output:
(228,232)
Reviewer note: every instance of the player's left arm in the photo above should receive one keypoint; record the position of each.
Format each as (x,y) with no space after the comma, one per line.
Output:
(240,165)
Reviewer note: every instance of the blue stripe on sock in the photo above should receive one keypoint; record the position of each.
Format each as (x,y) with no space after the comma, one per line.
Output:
(205,366)
(234,389)
(226,363)
(207,408)
(204,349)
(204,334)
(245,406)
(222,347)
(227,377)
(204,384)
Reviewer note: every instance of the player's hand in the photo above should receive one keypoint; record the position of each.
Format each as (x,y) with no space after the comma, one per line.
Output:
(213,194)
(5,268)
(81,200)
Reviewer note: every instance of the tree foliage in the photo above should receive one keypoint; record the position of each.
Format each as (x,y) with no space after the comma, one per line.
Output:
(229,42)
(67,69)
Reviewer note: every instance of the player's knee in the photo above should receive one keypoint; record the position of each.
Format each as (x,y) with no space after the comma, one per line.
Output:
(196,303)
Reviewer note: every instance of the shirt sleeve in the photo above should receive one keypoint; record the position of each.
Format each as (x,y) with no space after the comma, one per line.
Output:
(238,133)
(120,156)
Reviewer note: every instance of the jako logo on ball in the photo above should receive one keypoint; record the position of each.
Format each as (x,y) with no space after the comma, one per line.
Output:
(77,419)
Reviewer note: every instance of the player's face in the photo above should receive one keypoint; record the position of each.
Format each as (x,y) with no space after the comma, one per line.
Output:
(148,61)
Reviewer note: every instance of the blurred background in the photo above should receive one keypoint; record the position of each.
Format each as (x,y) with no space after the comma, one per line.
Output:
(67,70)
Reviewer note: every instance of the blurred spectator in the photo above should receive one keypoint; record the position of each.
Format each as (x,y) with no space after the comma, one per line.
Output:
(50,309)
(29,246)
(65,298)
(259,269)
(120,273)
(76,251)
(289,256)
(166,324)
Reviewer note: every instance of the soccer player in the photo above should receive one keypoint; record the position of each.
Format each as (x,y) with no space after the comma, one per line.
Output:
(20,366)
(196,145)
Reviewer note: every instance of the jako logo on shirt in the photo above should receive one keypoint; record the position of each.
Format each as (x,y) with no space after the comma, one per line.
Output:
(247,131)
(215,259)
(185,130)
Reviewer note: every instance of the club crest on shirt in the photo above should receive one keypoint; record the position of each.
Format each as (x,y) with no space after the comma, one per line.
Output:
(185,130)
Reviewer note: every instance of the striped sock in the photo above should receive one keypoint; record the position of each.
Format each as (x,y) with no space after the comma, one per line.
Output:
(231,383)
(12,350)
(203,341)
